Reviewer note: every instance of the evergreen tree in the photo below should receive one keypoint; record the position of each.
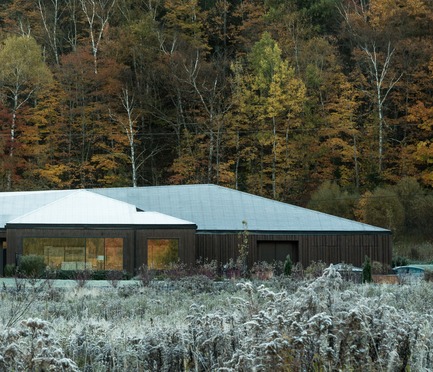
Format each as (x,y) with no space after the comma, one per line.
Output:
(366,271)
(288,266)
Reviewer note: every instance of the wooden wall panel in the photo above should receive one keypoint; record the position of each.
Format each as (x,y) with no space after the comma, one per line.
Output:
(186,237)
(135,241)
(335,248)
(331,248)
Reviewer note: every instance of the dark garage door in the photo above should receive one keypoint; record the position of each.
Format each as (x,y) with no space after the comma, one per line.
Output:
(270,251)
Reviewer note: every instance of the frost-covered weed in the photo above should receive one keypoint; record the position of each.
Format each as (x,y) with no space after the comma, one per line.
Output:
(279,324)
(31,346)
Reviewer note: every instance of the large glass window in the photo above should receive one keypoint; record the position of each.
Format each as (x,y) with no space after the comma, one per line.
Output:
(162,252)
(77,253)
(95,253)
(114,254)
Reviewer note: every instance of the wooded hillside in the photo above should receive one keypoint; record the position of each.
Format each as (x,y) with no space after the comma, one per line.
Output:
(273,97)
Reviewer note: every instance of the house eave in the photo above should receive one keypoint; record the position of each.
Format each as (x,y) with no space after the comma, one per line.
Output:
(296,232)
(100,226)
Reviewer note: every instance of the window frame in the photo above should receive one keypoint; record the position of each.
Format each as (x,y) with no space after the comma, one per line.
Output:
(150,255)
(79,264)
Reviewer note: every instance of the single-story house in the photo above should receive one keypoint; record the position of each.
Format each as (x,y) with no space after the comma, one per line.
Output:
(124,228)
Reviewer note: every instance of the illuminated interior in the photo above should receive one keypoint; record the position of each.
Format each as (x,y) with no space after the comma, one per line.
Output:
(162,252)
(77,253)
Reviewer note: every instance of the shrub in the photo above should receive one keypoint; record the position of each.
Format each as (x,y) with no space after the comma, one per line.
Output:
(113,277)
(382,208)
(262,270)
(82,277)
(206,268)
(414,254)
(10,270)
(330,198)
(379,268)
(243,249)
(176,271)
(411,196)
(315,269)
(399,261)
(145,275)
(423,215)
(31,266)
(428,276)
(97,274)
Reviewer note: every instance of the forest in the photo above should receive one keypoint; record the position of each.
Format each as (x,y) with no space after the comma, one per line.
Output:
(304,101)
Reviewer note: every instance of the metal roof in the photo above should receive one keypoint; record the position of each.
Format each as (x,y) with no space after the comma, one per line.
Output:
(212,208)
(83,207)
(216,208)
(16,204)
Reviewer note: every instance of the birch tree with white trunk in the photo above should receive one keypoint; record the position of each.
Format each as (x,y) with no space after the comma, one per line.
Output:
(97,14)
(22,74)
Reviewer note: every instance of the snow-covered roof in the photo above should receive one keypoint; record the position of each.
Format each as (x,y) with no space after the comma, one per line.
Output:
(83,207)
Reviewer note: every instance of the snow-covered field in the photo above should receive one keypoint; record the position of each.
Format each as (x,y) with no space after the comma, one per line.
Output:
(195,325)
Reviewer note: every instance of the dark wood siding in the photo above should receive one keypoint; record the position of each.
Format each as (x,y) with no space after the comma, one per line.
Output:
(15,240)
(331,248)
(135,241)
(186,239)
(328,248)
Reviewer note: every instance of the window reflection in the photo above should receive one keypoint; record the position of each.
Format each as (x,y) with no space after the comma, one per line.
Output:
(162,252)
(95,253)
(114,254)
(77,253)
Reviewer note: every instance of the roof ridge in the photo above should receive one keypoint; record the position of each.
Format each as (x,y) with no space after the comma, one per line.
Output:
(47,205)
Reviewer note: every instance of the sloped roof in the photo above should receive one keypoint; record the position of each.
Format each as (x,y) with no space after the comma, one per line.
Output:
(216,208)
(16,204)
(83,207)
(212,208)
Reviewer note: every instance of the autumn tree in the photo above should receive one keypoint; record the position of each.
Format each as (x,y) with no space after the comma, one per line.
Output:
(198,93)
(22,76)
(332,108)
(127,119)
(422,152)
(97,14)
(183,20)
(45,143)
(19,17)
(248,24)
(375,52)
(275,103)
(96,154)
(50,13)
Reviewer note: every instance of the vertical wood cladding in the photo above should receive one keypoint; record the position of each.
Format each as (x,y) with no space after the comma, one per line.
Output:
(328,248)
(135,241)
(335,248)
(186,238)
